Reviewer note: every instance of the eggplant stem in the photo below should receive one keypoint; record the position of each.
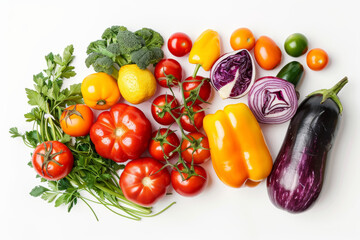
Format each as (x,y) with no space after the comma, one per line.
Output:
(332,93)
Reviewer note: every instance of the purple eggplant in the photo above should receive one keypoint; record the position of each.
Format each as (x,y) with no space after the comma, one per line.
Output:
(297,176)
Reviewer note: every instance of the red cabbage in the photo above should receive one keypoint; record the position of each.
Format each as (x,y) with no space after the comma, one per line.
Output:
(233,74)
(272,100)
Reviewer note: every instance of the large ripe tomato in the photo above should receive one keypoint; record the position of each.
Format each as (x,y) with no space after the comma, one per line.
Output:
(192,89)
(242,38)
(179,44)
(196,150)
(197,114)
(52,160)
(76,120)
(122,133)
(192,186)
(168,72)
(142,182)
(161,108)
(165,138)
(267,53)
(317,59)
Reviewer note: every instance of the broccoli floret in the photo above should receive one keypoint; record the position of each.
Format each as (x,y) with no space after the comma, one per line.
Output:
(158,54)
(92,58)
(103,64)
(142,57)
(114,48)
(151,37)
(110,33)
(129,42)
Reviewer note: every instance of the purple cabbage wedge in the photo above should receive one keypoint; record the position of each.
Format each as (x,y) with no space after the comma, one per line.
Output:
(297,176)
(233,74)
(272,100)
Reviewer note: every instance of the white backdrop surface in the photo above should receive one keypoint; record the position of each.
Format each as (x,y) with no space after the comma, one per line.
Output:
(31,29)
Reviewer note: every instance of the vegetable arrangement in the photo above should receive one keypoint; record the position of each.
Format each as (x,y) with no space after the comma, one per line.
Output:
(106,157)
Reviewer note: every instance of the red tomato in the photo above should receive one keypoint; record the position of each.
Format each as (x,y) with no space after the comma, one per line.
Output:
(143,183)
(179,44)
(192,89)
(122,133)
(168,72)
(161,108)
(52,160)
(169,141)
(192,186)
(76,120)
(197,114)
(197,150)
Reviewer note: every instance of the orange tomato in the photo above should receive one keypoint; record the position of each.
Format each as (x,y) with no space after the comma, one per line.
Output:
(267,53)
(242,38)
(317,59)
(76,120)
(100,91)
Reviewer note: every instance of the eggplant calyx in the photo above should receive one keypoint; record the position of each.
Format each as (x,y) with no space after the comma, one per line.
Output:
(332,93)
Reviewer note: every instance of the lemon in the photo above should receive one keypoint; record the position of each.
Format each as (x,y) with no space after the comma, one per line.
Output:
(136,85)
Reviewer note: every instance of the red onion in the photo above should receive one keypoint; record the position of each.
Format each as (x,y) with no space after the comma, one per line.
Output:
(272,100)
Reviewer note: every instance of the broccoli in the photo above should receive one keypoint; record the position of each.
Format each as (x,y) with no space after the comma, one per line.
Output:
(120,47)
(129,42)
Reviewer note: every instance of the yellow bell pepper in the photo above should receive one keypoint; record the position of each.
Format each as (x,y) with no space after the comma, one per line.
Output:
(206,50)
(238,150)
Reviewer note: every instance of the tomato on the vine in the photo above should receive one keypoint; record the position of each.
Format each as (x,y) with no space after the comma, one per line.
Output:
(191,186)
(163,142)
(197,114)
(143,183)
(76,120)
(193,90)
(179,44)
(161,108)
(52,160)
(168,72)
(197,149)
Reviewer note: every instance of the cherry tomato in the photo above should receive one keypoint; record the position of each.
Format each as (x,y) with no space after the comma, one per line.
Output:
(267,53)
(76,120)
(197,150)
(197,114)
(168,72)
(242,38)
(169,141)
(192,89)
(179,44)
(296,45)
(143,183)
(52,160)
(192,186)
(317,59)
(161,107)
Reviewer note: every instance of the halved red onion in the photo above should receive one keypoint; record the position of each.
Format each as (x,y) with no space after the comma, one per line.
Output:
(233,74)
(272,100)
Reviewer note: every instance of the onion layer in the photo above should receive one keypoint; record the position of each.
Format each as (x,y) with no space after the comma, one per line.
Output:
(272,100)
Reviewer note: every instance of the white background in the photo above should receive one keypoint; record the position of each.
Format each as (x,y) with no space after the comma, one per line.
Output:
(31,29)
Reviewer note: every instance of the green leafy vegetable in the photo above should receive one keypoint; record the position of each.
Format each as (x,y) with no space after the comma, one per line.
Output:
(91,173)
(120,47)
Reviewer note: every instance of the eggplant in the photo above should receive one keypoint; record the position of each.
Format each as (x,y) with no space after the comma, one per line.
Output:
(297,176)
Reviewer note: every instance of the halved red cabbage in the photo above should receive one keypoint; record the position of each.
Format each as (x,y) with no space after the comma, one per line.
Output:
(233,74)
(272,100)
